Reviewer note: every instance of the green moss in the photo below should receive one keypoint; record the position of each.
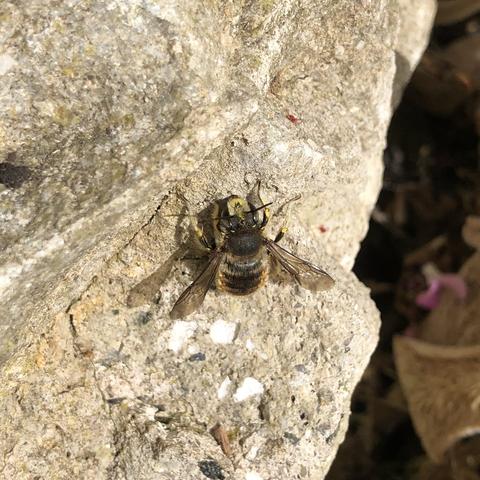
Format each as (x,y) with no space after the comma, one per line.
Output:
(127,120)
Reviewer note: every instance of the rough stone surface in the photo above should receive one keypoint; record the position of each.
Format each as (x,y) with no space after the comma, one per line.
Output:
(110,110)
(411,40)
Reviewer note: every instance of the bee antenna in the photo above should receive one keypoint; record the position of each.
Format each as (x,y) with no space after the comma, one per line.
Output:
(250,211)
(260,208)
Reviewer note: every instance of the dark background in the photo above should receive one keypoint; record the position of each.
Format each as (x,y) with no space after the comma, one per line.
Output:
(431,184)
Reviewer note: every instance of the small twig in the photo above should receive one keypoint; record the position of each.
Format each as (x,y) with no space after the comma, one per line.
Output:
(220,435)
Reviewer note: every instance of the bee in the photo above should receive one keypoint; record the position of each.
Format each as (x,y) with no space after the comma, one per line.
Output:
(241,257)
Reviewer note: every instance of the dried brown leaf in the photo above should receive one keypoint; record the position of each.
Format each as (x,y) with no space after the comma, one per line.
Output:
(442,387)
(471,231)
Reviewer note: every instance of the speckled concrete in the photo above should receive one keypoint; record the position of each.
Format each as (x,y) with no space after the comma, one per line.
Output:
(109,111)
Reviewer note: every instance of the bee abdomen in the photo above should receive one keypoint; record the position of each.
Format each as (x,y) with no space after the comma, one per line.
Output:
(241,276)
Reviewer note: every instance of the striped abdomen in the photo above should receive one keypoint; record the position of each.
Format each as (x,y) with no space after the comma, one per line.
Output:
(242,275)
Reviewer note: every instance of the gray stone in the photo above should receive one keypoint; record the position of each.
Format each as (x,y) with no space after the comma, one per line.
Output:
(110,110)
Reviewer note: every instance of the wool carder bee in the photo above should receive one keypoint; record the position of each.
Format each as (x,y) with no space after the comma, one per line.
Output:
(240,256)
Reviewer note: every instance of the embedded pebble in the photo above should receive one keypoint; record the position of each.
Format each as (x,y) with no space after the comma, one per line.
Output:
(223,332)
(249,387)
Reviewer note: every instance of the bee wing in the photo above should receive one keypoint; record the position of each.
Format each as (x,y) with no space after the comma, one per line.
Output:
(193,296)
(305,273)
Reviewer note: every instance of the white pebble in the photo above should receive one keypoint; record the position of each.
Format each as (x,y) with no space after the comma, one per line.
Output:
(249,387)
(252,453)
(181,332)
(223,388)
(223,332)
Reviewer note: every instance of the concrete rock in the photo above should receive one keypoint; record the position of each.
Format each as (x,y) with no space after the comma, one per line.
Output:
(110,110)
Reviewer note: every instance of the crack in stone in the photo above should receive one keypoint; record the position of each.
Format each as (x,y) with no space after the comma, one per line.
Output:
(71,388)
(148,222)
(89,285)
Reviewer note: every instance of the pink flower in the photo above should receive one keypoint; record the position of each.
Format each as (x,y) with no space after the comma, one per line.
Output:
(430,298)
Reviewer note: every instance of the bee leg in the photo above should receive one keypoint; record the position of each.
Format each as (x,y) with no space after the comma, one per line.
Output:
(286,207)
(254,196)
(266,217)
(281,233)
(204,242)
(190,257)
(255,199)
(198,230)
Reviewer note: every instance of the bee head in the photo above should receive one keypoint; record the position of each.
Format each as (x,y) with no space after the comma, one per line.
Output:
(238,214)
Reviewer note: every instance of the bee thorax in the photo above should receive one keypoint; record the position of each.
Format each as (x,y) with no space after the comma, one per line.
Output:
(245,243)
